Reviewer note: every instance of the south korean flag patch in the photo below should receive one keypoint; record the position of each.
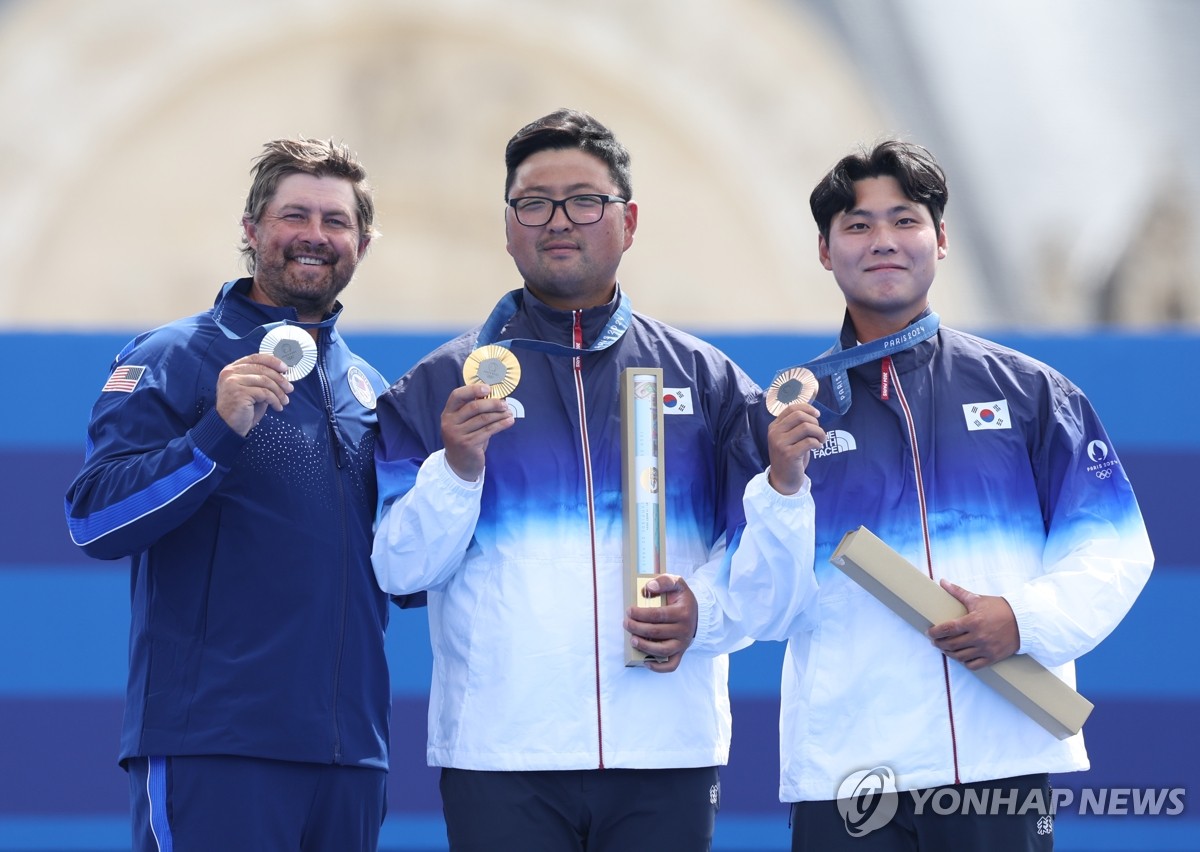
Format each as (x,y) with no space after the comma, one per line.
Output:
(986,415)
(677,401)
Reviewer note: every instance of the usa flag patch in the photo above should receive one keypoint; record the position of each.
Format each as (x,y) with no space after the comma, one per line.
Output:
(123,379)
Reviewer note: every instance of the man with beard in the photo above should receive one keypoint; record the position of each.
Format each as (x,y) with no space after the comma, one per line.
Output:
(230,457)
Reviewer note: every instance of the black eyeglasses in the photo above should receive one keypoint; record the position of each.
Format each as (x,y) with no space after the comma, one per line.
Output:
(533,212)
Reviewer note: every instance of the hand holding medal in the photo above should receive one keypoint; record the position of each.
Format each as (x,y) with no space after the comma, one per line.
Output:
(796,431)
(471,417)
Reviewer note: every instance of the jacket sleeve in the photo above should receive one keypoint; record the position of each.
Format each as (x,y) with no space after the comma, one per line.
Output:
(424,530)
(154,455)
(1098,555)
(427,514)
(749,590)
(766,585)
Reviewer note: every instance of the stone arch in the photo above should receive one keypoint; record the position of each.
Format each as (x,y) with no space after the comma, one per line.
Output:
(139,121)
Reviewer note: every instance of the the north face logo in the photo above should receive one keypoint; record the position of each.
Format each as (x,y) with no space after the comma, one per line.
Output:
(837,441)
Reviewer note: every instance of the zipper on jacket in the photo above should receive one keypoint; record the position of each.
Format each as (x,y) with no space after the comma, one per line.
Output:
(890,378)
(335,439)
(335,435)
(577,370)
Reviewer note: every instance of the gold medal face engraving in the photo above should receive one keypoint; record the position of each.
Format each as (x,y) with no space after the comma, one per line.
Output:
(294,347)
(791,386)
(494,366)
(492,371)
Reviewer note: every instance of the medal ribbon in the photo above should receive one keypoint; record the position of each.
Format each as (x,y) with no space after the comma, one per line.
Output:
(836,363)
(507,308)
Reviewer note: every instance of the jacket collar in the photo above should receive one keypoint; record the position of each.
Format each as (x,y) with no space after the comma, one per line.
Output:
(557,325)
(904,362)
(235,309)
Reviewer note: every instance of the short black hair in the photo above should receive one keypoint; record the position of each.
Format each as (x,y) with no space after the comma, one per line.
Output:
(914,168)
(568,128)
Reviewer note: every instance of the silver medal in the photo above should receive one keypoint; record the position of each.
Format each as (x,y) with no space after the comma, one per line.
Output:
(294,347)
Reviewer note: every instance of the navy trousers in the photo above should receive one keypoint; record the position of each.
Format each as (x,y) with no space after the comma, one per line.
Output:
(237,804)
(594,810)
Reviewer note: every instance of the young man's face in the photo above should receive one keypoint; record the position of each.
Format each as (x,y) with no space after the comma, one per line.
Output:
(883,253)
(569,266)
(307,244)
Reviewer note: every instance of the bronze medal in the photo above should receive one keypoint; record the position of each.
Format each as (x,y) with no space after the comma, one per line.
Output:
(797,384)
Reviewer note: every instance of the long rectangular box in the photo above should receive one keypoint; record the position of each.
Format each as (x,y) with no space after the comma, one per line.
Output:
(921,602)
(643,484)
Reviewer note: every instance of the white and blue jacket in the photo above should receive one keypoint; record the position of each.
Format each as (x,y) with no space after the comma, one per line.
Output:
(256,623)
(980,465)
(524,569)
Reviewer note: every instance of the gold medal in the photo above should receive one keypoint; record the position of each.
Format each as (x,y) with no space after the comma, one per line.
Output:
(294,347)
(495,367)
(797,384)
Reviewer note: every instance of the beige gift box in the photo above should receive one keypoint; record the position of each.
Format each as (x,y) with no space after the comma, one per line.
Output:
(912,595)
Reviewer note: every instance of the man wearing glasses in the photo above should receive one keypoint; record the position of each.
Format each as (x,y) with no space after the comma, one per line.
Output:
(500,493)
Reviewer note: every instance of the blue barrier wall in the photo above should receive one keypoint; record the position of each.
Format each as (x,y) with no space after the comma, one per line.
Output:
(63,617)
